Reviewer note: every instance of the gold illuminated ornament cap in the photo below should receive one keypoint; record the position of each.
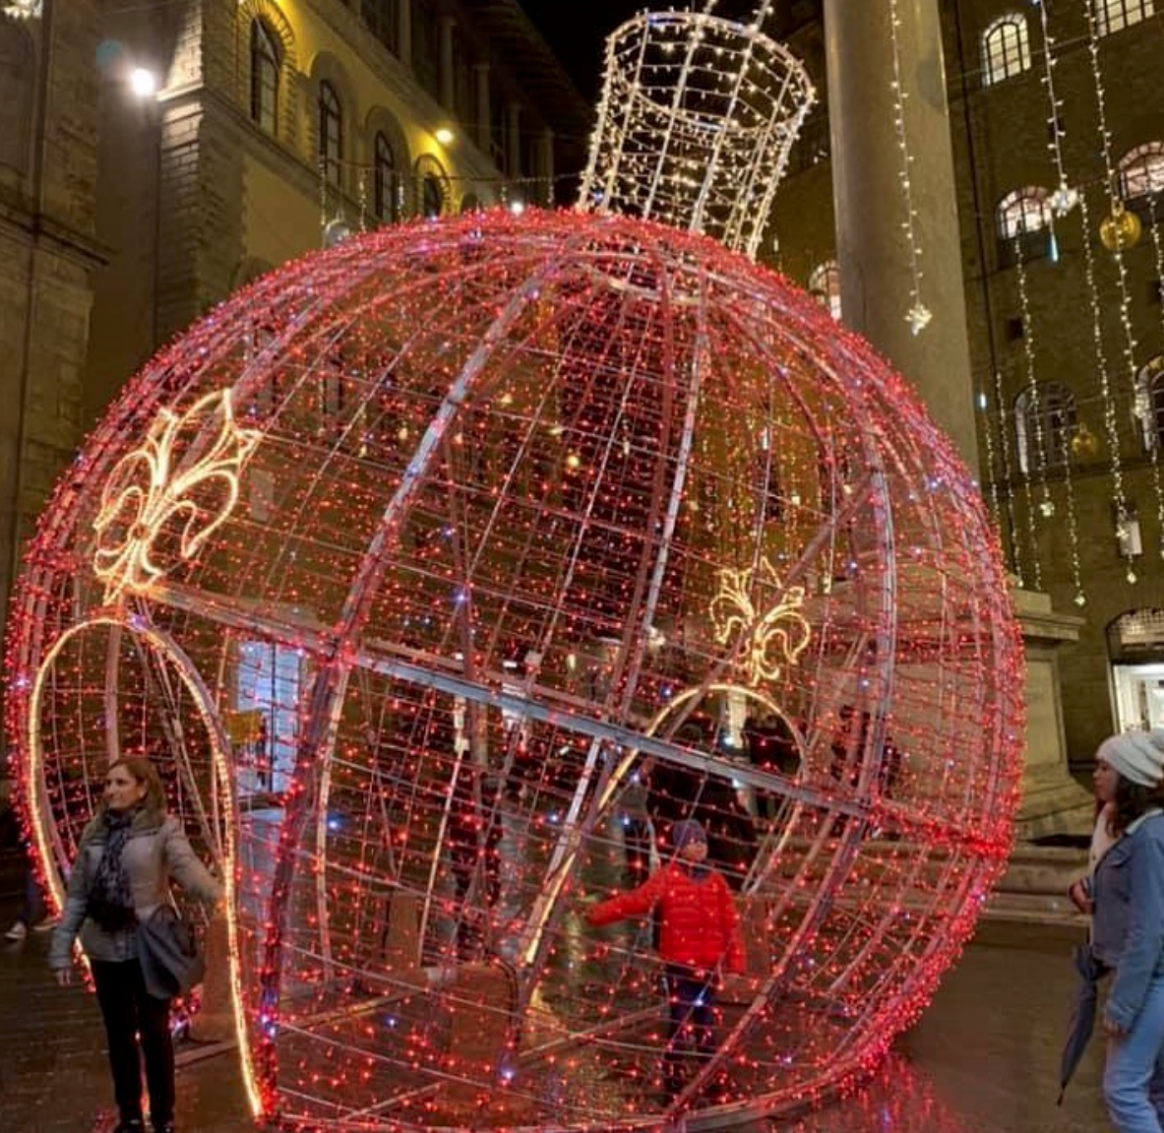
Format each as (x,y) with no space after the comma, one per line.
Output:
(1120,230)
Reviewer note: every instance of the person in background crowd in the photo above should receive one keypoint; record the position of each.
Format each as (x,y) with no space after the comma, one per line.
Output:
(32,913)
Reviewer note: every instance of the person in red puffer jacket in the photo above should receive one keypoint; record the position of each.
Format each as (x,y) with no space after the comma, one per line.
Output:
(699,939)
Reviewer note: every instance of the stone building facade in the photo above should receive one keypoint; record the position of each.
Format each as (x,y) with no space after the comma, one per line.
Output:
(1044,417)
(49,251)
(154,157)
(275,117)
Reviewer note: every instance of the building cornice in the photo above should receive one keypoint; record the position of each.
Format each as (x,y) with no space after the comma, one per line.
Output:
(43,230)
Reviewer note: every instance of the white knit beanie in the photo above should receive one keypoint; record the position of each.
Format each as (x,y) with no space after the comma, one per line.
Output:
(1137,756)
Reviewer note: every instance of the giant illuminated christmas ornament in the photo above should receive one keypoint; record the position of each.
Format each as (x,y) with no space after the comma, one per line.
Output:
(444,572)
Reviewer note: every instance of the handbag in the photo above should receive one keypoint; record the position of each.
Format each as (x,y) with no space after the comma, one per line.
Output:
(171,960)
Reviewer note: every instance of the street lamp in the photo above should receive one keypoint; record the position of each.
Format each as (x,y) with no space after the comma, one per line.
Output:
(143,83)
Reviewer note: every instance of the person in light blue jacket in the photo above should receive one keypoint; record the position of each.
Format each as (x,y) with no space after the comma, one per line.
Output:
(1128,930)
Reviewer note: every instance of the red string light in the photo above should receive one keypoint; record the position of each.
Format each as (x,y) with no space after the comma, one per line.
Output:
(479,553)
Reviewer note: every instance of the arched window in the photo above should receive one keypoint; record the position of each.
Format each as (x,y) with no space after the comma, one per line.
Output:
(1021,219)
(1149,404)
(1142,172)
(386,201)
(824,285)
(1023,211)
(1115,15)
(434,196)
(433,186)
(264,77)
(1006,49)
(1044,423)
(331,132)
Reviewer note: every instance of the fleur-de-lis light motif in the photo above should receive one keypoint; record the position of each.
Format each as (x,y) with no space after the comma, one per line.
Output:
(167,497)
(771,638)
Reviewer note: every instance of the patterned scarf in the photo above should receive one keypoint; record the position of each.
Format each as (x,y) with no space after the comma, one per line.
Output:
(110,897)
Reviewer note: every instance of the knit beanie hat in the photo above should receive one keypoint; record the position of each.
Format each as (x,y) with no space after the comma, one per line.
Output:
(688,830)
(1137,756)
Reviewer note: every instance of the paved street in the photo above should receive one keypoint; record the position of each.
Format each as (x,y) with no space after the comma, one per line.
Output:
(983,1060)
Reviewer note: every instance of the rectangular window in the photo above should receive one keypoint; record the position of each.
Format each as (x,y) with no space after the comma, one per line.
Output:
(1115,15)
(383,22)
(267,690)
(426,45)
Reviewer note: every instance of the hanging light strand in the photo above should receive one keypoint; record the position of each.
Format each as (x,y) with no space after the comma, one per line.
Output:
(1007,491)
(1129,339)
(1064,198)
(1035,417)
(991,478)
(1115,203)
(1153,436)
(919,315)
(1080,598)
(1110,416)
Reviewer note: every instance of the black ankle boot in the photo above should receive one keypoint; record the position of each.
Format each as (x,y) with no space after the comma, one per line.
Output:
(130,1125)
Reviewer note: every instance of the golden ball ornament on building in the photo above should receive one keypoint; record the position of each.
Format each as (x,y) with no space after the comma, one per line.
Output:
(1120,230)
(1084,443)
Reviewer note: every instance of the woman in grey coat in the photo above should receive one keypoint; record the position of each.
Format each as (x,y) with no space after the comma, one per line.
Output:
(126,857)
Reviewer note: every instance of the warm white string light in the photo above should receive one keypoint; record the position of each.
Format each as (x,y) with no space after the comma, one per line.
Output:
(695,123)
(1154,444)
(919,315)
(1072,523)
(1110,416)
(1125,303)
(23,9)
(1062,440)
(1035,457)
(991,478)
(1039,456)
(1061,202)
(1064,198)
(1004,447)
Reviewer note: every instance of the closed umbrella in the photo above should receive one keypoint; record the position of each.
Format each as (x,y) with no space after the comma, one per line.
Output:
(1082,1014)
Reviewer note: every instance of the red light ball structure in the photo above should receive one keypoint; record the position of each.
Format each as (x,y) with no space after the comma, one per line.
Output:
(402,562)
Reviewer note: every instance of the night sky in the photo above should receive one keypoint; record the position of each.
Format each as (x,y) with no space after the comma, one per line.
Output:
(578,38)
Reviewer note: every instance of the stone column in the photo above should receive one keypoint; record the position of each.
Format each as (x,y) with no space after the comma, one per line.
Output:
(484,111)
(1053,802)
(870,204)
(448,96)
